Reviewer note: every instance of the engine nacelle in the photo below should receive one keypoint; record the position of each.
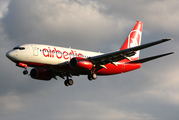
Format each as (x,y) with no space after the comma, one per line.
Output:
(41,74)
(81,63)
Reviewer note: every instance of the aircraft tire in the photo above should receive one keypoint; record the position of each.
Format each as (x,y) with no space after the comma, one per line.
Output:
(90,77)
(94,76)
(25,72)
(66,83)
(70,81)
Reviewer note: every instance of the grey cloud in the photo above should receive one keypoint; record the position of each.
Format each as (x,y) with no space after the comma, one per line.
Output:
(61,22)
(156,15)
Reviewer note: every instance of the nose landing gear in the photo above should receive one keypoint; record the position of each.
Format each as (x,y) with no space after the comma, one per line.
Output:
(22,65)
(25,72)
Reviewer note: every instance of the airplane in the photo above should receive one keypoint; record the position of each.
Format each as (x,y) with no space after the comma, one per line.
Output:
(51,61)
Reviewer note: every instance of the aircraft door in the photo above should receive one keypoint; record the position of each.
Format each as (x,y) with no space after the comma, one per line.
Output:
(35,50)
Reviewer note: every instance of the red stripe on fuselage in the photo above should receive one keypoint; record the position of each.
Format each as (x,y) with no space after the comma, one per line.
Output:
(111,69)
(30,64)
(121,68)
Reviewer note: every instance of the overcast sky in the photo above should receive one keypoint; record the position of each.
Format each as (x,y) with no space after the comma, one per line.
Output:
(149,93)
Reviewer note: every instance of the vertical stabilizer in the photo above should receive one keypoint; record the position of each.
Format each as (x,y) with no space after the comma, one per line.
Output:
(134,39)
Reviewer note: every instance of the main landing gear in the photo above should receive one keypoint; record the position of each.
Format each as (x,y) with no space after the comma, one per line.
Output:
(92,76)
(68,82)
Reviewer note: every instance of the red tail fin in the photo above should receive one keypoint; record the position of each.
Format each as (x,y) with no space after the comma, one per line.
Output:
(134,39)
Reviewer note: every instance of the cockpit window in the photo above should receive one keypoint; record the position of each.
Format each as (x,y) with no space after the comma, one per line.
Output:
(20,48)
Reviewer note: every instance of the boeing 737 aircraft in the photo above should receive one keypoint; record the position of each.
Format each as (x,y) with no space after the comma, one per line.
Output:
(51,61)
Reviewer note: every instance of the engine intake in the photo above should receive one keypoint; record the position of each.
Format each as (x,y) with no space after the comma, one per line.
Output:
(81,63)
(41,74)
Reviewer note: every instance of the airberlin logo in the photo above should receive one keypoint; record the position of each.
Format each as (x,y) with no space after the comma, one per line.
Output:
(52,53)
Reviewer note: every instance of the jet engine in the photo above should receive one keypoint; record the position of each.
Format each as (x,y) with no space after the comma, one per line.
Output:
(81,63)
(41,74)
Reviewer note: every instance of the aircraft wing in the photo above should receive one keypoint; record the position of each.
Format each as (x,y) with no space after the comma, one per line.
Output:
(122,54)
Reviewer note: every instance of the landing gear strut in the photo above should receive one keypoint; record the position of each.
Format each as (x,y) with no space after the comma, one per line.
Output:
(68,82)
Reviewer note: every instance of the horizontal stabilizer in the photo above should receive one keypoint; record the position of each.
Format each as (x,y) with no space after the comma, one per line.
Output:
(150,58)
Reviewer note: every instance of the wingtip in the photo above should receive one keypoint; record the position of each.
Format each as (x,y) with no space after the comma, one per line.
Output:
(167,39)
(169,53)
(172,52)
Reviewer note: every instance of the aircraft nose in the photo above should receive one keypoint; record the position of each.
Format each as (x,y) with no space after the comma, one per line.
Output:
(9,55)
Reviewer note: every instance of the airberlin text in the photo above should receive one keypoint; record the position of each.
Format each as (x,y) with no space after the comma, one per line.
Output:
(60,54)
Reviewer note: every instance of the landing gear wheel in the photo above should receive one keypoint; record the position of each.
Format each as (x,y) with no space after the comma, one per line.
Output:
(92,76)
(25,72)
(68,82)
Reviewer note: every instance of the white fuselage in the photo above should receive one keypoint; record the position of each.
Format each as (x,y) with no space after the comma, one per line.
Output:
(46,54)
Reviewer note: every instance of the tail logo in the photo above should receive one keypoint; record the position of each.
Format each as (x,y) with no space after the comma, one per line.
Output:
(134,38)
